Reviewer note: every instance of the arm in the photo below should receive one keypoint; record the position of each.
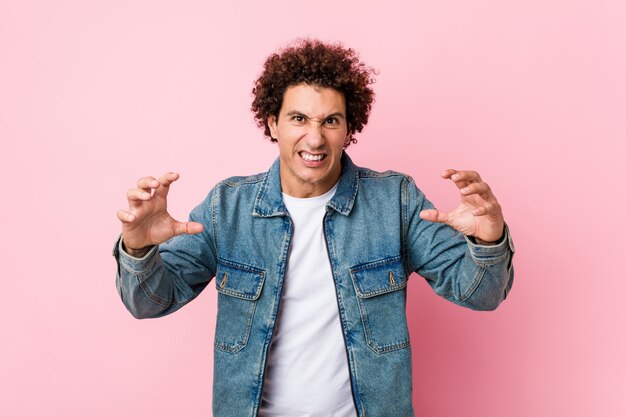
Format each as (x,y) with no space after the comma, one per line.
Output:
(161,276)
(477,276)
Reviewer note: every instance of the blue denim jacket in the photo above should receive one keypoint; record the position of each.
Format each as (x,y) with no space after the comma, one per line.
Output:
(375,239)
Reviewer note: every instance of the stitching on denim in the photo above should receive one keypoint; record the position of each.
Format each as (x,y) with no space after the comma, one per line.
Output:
(355,271)
(490,261)
(237,346)
(369,338)
(144,271)
(372,264)
(475,283)
(355,188)
(388,348)
(404,219)
(240,180)
(242,266)
(257,201)
(212,206)
(381,291)
(259,279)
(370,173)
(328,238)
(152,296)
(259,195)
(345,209)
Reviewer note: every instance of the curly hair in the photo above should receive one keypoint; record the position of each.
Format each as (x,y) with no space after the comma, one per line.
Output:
(319,64)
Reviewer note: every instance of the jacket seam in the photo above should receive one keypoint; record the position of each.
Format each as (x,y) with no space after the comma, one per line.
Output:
(151,295)
(490,261)
(478,277)
(370,173)
(237,346)
(404,219)
(145,271)
(243,180)
(213,223)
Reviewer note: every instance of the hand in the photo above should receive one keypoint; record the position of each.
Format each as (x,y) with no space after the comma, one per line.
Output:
(147,221)
(479,213)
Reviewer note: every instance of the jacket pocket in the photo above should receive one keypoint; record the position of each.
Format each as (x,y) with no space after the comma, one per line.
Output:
(239,287)
(381,292)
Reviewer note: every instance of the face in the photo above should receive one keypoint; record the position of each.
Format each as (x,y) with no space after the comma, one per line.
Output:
(311,130)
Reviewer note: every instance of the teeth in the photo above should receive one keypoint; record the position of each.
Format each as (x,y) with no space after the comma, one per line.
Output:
(309,157)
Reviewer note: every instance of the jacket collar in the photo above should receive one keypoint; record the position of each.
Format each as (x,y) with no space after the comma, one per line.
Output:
(269,199)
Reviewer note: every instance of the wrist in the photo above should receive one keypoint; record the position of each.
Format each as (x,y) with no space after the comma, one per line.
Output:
(488,242)
(136,253)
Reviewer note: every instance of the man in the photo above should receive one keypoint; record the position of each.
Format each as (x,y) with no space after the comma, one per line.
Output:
(311,259)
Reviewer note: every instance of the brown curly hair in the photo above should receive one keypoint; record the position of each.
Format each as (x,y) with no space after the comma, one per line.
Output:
(320,64)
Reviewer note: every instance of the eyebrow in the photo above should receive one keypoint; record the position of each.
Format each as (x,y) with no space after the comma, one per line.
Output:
(299,113)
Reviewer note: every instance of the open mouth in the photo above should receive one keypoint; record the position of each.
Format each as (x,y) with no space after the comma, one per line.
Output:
(310,157)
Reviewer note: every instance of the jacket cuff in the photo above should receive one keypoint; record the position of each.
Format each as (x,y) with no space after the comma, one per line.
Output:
(131,263)
(491,253)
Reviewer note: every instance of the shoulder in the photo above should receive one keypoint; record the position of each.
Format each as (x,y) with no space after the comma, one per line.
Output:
(239,184)
(389,183)
(235,187)
(388,176)
(242,181)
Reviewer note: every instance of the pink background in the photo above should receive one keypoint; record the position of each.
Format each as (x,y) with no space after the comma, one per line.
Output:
(93,95)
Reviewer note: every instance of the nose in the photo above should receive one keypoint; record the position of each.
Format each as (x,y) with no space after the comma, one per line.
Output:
(315,136)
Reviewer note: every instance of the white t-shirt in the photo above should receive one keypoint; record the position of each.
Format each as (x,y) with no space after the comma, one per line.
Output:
(307,370)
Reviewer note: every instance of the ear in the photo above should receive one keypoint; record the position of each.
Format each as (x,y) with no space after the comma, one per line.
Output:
(346,140)
(273,125)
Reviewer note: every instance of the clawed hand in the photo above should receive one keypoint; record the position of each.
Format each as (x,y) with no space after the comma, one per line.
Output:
(479,213)
(147,222)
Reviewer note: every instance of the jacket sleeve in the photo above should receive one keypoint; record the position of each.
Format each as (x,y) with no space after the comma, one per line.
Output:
(468,274)
(169,275)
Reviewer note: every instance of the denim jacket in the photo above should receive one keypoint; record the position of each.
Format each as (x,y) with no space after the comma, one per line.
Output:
(375,240)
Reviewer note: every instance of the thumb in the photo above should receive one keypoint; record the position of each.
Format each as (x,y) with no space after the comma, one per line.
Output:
(434,215)
(187,228)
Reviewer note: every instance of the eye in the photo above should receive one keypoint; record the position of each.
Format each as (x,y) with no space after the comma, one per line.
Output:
(332,121)
(298,118)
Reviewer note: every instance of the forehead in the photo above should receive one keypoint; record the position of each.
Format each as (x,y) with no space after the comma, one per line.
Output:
(309,98)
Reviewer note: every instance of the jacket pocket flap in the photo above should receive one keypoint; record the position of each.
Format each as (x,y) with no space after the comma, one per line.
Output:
(237,280)
(379,277)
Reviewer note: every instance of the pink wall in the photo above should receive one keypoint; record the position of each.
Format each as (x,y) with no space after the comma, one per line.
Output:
(94,95)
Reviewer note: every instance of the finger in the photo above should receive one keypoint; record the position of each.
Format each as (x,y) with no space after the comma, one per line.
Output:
(489,208)
(434,215)
(448,173)
(187,228)
(479,188)
(148,183)
(136,196)
(462,178)
(165,181)
(125,216)
(469,176)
